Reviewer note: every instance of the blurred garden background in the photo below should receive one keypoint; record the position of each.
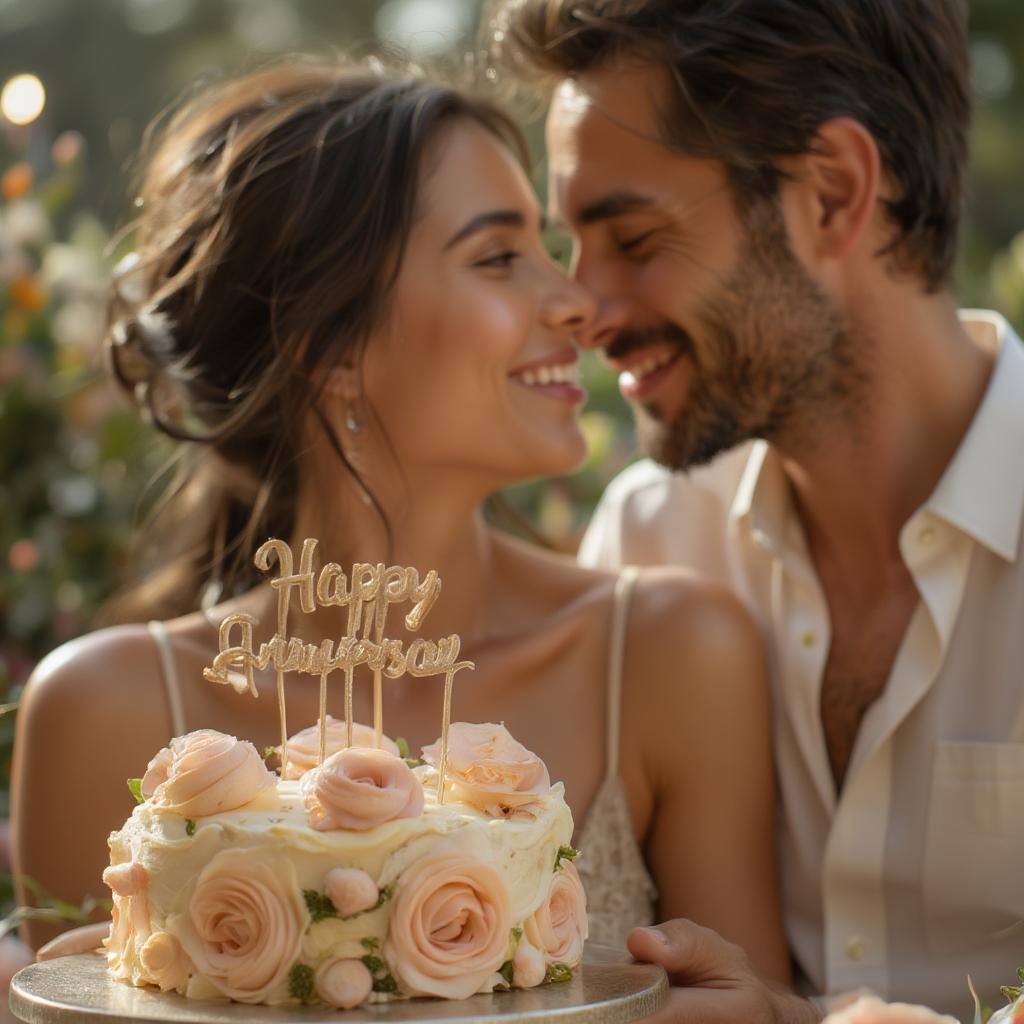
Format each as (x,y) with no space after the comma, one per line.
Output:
(81,79)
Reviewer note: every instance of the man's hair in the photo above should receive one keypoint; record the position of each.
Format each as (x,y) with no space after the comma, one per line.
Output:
(755,80)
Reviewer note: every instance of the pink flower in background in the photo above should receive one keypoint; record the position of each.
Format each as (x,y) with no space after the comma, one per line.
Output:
(870,1010)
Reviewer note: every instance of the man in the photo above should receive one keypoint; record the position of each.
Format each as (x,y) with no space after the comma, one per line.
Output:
(765,198)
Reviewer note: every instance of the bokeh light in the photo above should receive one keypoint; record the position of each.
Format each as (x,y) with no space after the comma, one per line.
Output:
(22,99)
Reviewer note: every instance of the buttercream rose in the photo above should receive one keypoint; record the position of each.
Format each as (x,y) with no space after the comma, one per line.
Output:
(244,924)
(558,926)
(206,772)
(360,788)
(304,746)
(164,961)
(488,769)
(449,926)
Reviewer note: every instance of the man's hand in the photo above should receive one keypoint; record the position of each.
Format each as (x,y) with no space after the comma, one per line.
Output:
(712,980)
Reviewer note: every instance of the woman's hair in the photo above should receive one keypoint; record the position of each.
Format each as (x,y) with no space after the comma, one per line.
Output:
(754,80)
(274,211)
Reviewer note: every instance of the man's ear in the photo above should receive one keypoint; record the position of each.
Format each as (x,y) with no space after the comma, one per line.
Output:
(834,190)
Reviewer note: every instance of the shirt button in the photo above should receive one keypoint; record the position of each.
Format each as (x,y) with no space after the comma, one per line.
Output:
(856,948)
(808,639)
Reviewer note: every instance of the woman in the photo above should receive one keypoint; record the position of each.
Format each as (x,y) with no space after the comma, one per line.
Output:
(343,309)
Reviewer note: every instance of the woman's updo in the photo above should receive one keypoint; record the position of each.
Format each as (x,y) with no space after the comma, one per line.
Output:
(273,213)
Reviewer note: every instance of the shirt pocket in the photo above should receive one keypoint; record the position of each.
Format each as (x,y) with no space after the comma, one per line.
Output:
(973,885)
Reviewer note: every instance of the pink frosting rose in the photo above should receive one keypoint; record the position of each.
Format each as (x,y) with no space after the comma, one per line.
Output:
(449,926)
(558,926)
(206,772)
(304,746)
(488,769)
(164,961)
(343,983)
(360,788)
(244,923)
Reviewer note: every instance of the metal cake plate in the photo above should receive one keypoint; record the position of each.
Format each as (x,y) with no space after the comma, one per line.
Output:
(609,989)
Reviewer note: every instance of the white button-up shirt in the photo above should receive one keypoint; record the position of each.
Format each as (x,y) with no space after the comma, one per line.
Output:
(913,877)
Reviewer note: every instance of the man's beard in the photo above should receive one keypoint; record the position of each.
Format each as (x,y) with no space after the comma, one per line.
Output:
(773,358)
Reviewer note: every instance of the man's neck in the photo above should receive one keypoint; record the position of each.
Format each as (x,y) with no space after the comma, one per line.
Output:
(877,461)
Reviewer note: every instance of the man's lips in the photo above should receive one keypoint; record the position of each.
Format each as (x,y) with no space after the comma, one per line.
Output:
(642,372)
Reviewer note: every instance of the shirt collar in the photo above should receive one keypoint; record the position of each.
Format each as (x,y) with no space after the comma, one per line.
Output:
(982,489)
(762,500)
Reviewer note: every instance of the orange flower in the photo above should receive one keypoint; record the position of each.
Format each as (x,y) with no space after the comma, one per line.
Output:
(16,182)
(27,293)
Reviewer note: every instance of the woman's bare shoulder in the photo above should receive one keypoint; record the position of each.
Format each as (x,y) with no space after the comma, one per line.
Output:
(692,640)
(94,662)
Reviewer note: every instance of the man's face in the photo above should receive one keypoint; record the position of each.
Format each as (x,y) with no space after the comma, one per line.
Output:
(717,330)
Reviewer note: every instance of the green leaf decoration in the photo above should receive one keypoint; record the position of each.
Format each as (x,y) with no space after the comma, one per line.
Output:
(269,752)
(507,971)
(300,983)
(382,979)
(135,785)
(565,853)
(403,747)
(558,972)
(385,983)
(318,905)
(190,827)
(383,895)
(371,943)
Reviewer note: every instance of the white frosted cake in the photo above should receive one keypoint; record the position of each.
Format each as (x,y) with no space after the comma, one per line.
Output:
(346,883)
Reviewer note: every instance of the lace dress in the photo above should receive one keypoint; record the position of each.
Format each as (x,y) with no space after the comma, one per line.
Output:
(620,891)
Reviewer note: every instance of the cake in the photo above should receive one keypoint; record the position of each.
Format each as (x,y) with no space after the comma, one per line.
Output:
(354,876)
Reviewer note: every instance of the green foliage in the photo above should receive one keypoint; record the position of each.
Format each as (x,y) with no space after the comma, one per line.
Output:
(565,853)
(49,908)
(382,979)
(507,971)
(135,787)
(300,983)
(190,827)
(318,904)
(558,972)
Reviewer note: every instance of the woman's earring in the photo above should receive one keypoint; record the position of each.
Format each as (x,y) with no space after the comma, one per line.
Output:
(351,423)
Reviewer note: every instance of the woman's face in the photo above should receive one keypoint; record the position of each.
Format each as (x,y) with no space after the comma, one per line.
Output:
(475,372)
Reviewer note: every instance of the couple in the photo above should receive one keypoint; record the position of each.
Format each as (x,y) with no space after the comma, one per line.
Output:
(343,310)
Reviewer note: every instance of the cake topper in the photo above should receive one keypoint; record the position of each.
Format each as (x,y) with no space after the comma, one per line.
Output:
(368,593)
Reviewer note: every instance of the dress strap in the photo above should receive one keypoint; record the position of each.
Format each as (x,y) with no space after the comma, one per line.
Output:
(169,671)
(616,654)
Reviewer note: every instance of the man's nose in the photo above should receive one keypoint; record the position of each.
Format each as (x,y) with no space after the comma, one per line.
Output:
(611,309)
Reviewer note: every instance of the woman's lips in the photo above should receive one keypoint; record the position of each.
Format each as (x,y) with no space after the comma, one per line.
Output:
(560,381)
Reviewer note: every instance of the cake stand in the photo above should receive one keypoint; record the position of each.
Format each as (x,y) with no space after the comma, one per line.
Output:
(608,989)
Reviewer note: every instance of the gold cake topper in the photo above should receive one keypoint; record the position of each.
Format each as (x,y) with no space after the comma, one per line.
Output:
(367,593)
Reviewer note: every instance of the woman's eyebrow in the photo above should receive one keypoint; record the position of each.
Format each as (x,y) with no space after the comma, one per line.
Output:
(492,218)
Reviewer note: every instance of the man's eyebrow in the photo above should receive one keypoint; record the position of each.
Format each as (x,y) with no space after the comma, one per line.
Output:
(614,205)
(492,218)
